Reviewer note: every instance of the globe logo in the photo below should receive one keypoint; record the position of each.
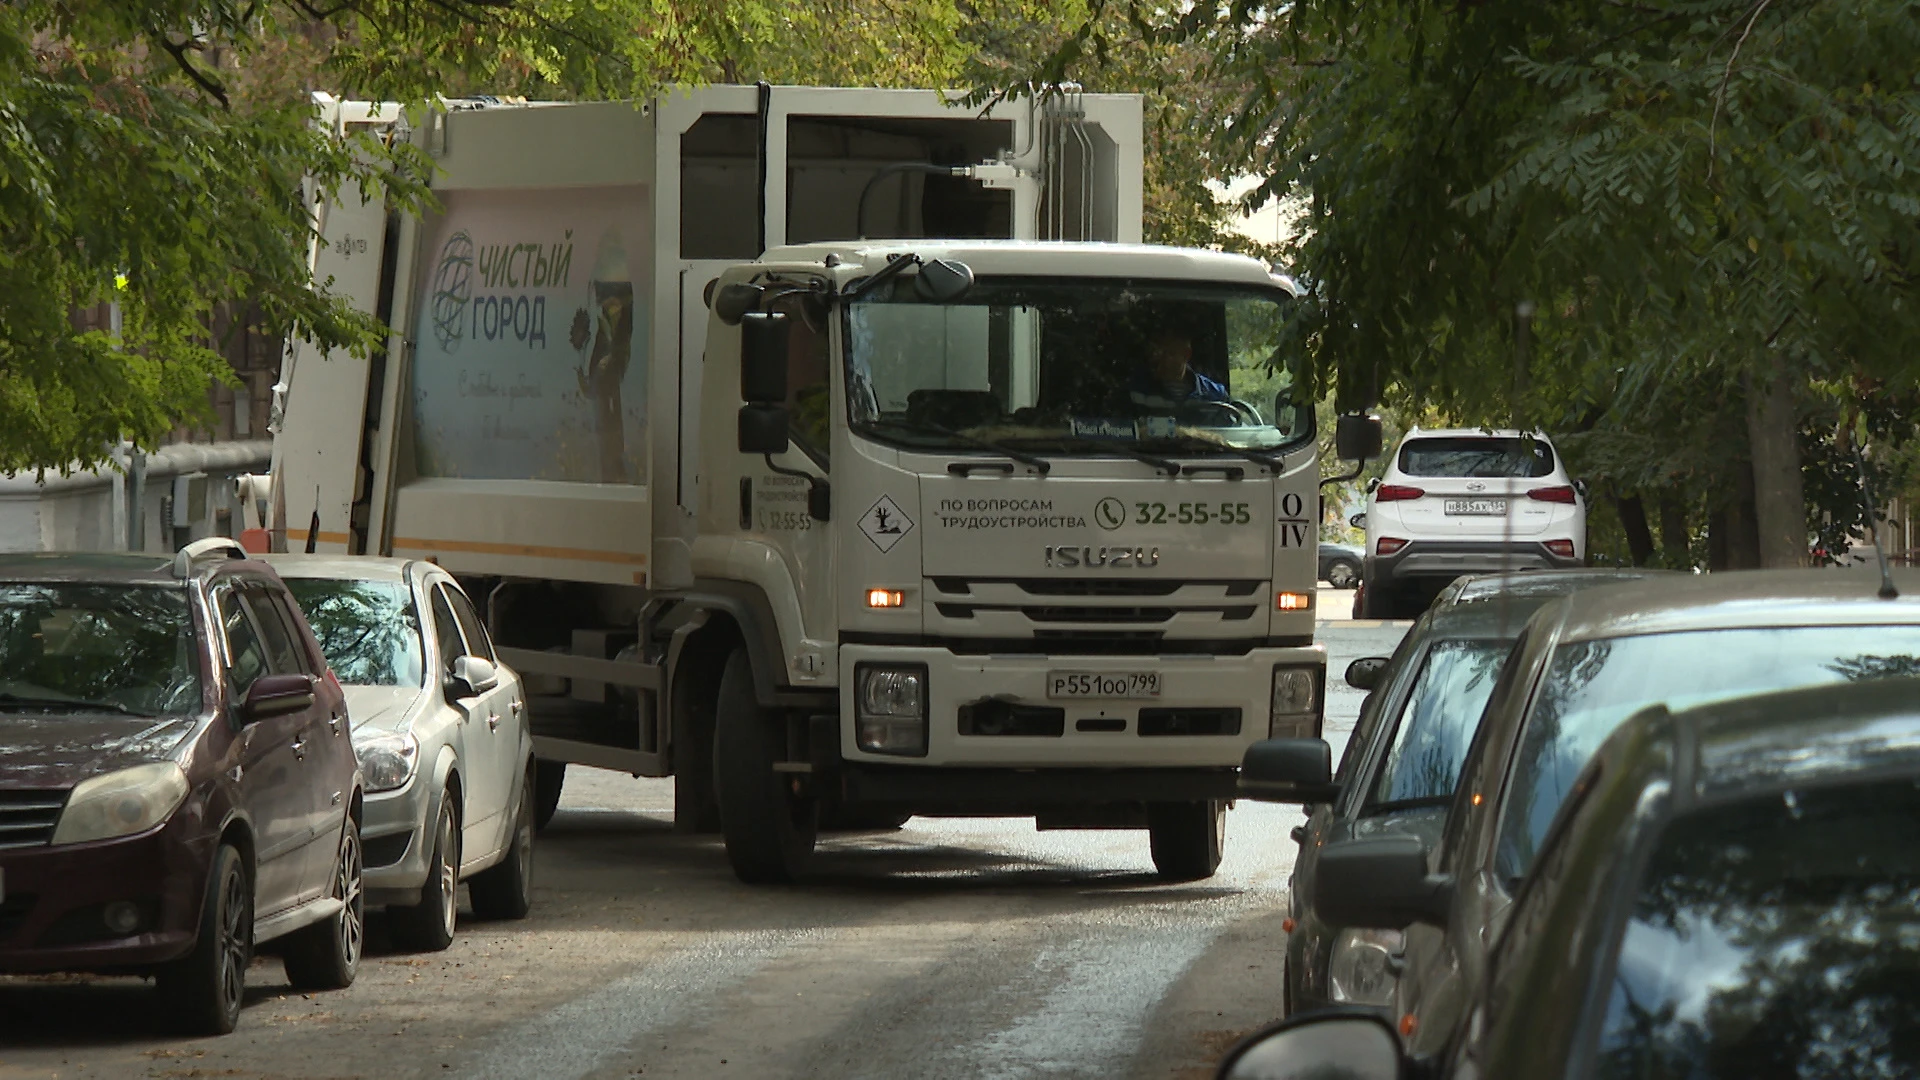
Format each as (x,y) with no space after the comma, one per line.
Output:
(452,287)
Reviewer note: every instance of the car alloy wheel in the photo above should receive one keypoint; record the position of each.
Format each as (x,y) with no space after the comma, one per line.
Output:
(236,932)
(1341,575)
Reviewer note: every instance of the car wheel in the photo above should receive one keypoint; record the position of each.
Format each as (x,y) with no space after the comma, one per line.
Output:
(769,829)
(206,987)
(1187,838)
(428,925)
(548,778)
(1342,574)
(326,955)
(506,891)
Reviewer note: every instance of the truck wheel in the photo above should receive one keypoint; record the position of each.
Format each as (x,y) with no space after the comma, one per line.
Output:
(1187,838)
(548,778)
(326,956)
(428,925)
(205,987)
(505,891)
(769,830)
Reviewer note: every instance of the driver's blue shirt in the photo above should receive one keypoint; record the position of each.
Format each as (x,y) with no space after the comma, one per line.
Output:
(1146,389)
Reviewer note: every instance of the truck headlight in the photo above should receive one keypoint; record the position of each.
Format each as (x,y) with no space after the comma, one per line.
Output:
(890,709)
(1296,703)
(387,761)
(1363,967)
(121,803)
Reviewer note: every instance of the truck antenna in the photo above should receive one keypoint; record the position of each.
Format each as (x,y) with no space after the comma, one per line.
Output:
(1887,591)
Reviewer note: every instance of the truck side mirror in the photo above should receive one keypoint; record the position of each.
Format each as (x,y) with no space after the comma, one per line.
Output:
(1358,437)
(763,429)
(763,357)
(943,281)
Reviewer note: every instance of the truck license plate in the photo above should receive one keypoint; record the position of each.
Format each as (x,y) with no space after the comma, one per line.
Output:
(1103,684)
(1487,507)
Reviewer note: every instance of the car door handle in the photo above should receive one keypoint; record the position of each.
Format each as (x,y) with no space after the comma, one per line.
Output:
(518,706)
(493,721)
(333,723)
(300,749)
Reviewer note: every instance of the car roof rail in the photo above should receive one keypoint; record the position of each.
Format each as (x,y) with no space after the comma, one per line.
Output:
(224,546)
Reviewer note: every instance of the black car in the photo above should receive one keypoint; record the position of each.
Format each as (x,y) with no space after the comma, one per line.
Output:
(177,783)
(1728,891)
(1340,565)
(1396,776)
(1583,665)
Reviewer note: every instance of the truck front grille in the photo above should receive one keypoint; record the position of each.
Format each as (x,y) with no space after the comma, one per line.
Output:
(1005,607)
(27,817)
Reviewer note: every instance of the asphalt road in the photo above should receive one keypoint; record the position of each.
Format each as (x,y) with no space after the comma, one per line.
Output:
(949,948)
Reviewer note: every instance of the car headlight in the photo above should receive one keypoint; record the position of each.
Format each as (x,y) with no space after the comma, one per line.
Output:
(387,761)
(1295,708)
(121,803)
(1364,966)
(890,709)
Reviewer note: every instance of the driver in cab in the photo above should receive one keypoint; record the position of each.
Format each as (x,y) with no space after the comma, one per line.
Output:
(1166,376)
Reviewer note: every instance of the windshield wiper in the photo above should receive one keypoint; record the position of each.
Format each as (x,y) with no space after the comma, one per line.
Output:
(70,703)
(1039,464)
(1171,468)
(1190,444)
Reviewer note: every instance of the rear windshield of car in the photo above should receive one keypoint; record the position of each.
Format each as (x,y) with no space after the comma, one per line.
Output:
(1438,722)
(369,631)
(1490,457)
(1775,938)
(1592,686)
(108,648)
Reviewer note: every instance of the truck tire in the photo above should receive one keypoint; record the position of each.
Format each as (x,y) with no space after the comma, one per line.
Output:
(428,925)
(1187,838)
(205,987)
(769,830)
(549,777)
(326,955)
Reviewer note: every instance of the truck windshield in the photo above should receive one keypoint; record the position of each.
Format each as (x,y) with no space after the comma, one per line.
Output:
(1081,367)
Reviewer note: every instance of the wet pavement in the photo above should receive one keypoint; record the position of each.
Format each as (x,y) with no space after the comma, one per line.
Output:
(948,948)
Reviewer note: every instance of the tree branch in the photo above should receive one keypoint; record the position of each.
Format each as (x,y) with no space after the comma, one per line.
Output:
(1720,96)
(205,82)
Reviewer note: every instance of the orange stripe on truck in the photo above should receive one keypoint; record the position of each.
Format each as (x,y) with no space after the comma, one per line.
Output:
(526,551)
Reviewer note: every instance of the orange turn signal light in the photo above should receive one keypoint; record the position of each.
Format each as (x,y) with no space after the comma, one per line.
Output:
(1292,601)
(885,598)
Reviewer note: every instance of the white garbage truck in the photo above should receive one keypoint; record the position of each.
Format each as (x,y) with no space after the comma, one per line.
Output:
(841,454)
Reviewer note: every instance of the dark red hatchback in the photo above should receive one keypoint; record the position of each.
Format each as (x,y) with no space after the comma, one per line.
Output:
(177,780)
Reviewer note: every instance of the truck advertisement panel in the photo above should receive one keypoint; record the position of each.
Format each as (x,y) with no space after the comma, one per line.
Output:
(530,358)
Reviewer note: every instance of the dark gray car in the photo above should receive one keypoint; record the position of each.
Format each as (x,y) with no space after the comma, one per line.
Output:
(1585,664)
(1728,891)
(1397,774)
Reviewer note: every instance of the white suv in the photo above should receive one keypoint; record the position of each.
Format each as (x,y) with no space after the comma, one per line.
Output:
(1466,501)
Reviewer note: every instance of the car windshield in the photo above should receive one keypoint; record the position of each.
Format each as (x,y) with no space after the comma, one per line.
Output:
(1776,937)
(1476,457)
(1075,367)
(1591,686)
(111,648)
(1438,722)
(369,631)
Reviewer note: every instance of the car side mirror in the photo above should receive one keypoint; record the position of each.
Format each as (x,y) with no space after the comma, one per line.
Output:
(1358,437)
(276,695)
(1364,673)
(1581,487)
(1288,771)
(763,429)
(1349,1043)
(471,676)
(1358,521)
(763,357)
(1381,883)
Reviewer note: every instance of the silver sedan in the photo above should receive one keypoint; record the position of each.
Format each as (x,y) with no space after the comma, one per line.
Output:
(439,725)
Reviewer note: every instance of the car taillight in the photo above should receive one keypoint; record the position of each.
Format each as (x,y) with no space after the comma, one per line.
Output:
(1390,544)
(1562,548)
(1398,493)
(1553,495)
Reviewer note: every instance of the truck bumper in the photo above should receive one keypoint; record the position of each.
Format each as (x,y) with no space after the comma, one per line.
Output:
(993,712)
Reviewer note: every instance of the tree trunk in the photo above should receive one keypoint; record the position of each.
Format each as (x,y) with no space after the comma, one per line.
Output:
(1732,542)
(1676,543)
(1779,491)
(1633,518)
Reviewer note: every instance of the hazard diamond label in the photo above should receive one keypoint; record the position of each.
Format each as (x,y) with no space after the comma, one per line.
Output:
(885,523)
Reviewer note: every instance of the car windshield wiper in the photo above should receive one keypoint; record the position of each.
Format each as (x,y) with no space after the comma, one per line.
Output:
(1165,465)
(74,704)
(1190,444)
(1039,464)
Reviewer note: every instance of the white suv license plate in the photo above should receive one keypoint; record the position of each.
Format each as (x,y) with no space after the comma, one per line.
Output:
(1483,507)
(1122,685)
